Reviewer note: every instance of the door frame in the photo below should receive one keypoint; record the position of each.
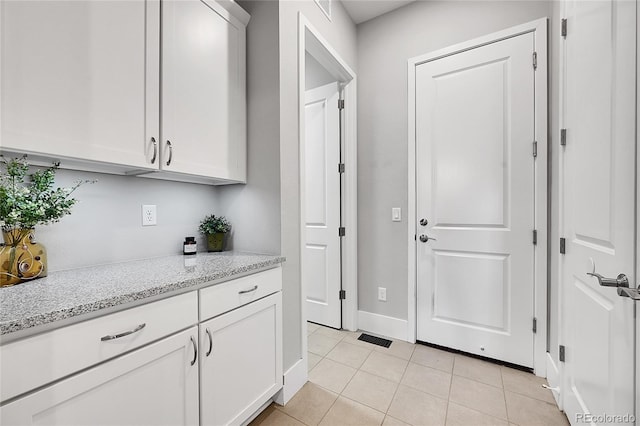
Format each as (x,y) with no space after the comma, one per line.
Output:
(310,40)
(637,265)
(539,29)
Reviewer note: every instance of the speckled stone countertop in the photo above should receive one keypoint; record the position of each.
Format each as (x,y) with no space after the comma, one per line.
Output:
(74,293)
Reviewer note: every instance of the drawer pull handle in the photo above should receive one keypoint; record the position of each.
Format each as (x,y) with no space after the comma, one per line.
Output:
(195,351)
(254,288)
(123,334)
(210,341)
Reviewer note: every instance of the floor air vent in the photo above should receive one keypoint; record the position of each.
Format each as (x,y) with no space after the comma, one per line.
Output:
(385,343)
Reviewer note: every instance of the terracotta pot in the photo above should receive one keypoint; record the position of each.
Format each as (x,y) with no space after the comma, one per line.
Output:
(21,257)
(215,242)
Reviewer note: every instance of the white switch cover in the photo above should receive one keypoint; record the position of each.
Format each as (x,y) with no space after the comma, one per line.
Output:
(396,214)
(149,215)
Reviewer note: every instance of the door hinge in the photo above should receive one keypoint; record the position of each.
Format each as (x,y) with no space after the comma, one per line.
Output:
(563,137)
(561,353)
(563,248)
(535,61)
(343,294)
(341,231)
(563,28)
(535,325)
(341,168)
(535,236)
(340,103)
(535,149)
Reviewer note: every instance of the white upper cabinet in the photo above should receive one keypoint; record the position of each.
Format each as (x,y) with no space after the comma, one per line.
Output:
(80,80)
(203,89)
(93,84)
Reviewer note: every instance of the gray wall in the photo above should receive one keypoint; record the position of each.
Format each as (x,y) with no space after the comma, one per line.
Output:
(315,74)
(105,226)
(384,46)
(340,32)
(254,208)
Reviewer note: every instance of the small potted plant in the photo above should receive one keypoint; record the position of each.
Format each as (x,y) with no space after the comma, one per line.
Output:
(26,201)
(215,228)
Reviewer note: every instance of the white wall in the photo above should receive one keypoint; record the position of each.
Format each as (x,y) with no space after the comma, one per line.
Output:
(315,74)
(340,32)
(384,45)
(254,208)
(105,226)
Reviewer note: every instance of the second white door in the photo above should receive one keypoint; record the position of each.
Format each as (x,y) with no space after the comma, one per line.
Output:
(475,200)
(321,256)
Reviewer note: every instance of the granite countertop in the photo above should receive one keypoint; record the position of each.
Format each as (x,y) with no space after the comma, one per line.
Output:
(73,293)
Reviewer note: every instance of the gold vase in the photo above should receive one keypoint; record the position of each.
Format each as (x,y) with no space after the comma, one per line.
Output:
(21,257)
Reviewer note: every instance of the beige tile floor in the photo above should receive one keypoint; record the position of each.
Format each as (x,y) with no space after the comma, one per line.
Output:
(357,383)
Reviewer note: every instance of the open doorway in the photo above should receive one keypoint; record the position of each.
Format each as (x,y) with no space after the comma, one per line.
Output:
(327,101)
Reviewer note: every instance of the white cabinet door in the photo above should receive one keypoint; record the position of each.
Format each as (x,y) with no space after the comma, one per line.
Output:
(80,80)
(203,90)
(155,385)
(241,361)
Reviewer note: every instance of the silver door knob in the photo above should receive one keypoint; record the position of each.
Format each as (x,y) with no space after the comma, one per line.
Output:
(424,238)
(424,222)
(620,281)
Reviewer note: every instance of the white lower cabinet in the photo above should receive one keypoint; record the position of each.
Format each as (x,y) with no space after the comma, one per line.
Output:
(241,361)
(154,385)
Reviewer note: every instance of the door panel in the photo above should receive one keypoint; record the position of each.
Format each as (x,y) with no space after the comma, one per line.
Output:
(203,90)
(597,205)
(475,184)
(154,385)
(80,79)
(321,270)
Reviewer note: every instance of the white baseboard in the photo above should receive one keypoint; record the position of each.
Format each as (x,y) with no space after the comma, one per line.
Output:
(382,325)
(294,379)
(554,378)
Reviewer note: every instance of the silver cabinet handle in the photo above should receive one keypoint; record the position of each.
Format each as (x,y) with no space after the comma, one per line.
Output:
(210,342)
(125,333)
(195,351)
(155,150)
(254,288)
(424,238)
(170,152)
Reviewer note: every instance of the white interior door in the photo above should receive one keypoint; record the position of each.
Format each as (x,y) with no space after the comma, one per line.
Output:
(475,198)
(597,202)
(321,257)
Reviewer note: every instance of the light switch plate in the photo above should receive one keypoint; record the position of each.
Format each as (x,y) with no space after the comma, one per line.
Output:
(382,294)
(149,215)
(396,214)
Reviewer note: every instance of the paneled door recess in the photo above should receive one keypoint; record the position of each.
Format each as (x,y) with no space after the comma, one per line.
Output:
(475,200)
(597,200)
(321,272)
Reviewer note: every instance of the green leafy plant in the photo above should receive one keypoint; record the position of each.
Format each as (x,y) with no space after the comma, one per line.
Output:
(27,200)
(214,225)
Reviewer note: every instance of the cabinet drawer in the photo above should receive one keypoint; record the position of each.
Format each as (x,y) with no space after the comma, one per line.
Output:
(36,361)
(221,298)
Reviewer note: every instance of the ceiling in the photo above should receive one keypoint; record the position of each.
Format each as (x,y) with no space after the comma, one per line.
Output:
(363,10)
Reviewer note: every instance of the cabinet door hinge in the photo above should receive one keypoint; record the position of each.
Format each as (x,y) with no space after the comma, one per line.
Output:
(535,149)
(341,231)
(343,294)
(535,236)
(563,244)
(563,137)
(561,353)
(563,28)
(535,325)
(535,61)
(340,103)
(341,168)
